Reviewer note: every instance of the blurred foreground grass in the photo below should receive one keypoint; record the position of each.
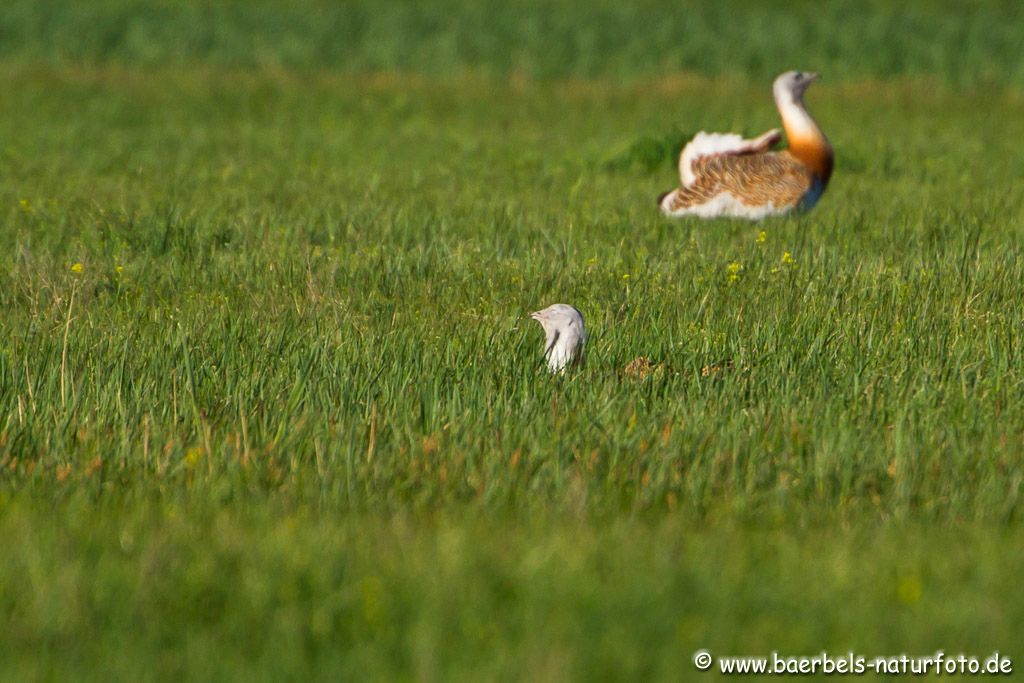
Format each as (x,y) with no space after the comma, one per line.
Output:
(197,590)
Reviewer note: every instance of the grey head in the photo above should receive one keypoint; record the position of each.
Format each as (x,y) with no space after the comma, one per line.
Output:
(792,84)
(564,335)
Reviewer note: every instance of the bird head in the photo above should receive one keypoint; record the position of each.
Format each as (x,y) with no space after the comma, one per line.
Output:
(792,84)
(559,317)
(564,334)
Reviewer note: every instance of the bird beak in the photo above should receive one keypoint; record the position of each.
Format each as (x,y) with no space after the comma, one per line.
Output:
(815,77)
(536,315)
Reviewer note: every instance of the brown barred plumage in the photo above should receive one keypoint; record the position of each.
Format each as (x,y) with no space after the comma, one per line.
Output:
(775,178)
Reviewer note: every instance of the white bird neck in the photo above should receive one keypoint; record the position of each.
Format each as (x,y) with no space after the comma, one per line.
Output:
(807,142)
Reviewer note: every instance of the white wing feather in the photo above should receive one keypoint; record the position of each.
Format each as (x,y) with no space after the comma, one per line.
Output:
(709,144)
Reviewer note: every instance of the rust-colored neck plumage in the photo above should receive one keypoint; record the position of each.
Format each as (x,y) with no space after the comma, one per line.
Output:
(806,141)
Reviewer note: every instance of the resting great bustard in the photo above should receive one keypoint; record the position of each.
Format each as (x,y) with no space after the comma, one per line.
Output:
(564,335)
(725,175)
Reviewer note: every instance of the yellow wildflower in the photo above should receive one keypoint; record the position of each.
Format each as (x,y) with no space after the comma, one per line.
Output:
(787,258)
(909,590)
(192,457)
(762,237)
(734,269)
(77,267)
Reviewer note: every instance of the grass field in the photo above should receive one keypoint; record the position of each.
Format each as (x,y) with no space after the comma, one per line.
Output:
(271,407)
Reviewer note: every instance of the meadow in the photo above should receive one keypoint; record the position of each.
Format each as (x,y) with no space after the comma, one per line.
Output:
(271,406)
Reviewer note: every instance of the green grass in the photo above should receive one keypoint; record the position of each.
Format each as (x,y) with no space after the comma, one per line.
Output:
(290,420)
(958,40)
